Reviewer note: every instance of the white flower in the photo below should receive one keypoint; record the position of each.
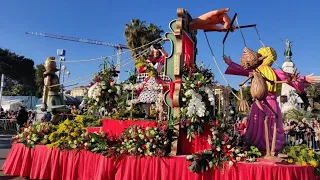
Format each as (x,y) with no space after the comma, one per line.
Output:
(154,146)
(109,91)
(228,146)
(85,144)
(218,149)
(238,158)
(189,157)
(184,99)
(222,142)
(230,163)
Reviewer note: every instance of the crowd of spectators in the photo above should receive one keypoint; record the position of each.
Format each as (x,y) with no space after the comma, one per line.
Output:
(303,132)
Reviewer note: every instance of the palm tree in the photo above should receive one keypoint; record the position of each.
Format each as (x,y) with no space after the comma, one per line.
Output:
(137,34)
(295,115)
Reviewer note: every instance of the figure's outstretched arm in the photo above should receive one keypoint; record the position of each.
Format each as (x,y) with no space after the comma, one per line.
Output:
(234,68)
(300,83)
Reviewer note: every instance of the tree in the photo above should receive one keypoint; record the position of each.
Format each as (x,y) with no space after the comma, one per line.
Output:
(313,93)
(19,72)
(137,34)
(295,115)
(39,79)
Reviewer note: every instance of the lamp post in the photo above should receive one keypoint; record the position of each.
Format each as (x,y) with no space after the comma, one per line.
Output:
(64,68)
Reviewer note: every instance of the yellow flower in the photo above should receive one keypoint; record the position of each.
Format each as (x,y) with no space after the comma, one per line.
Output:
(290,160)
(310,153)
(313,163)
(303,163)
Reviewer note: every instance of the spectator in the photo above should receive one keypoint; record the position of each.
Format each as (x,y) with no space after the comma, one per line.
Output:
(22,117)
(47,117)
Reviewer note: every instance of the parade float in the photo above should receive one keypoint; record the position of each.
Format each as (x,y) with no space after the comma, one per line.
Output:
(164,124)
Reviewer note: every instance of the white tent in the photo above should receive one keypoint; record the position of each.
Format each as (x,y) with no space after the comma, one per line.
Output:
(13,102)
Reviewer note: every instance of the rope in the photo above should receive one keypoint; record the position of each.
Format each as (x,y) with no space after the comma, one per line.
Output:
(259,36)
(104,57)
(215,61)
(88,76)
(244,40)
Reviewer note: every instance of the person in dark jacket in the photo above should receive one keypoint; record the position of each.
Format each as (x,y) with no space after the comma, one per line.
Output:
(22,117)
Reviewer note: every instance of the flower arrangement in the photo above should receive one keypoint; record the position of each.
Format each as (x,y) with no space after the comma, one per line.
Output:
(103,93)
(217,158)
(152,141)
(100,143)
(198,101)
(149,68)
(69,135)
(302,155)
(223,150)
(35,134)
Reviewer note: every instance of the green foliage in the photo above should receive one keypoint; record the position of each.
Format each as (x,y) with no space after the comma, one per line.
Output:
(20,77)
(39,79)
(295,115)
(313,92)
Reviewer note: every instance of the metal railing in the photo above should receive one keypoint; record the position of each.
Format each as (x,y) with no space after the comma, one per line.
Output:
(302,139)
(8,124)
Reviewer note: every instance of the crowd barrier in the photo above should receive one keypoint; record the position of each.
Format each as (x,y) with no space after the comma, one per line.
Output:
(302,139)
(8,124)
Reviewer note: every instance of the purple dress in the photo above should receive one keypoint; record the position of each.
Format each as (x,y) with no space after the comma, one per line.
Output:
(255,125)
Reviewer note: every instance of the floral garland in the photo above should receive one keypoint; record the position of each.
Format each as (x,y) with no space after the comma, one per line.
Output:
(198,104)
(152,141)
(35,134)
(302,155)
(223,150)
(103,93)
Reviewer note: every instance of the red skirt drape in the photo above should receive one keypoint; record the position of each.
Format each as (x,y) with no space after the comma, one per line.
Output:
(45,163)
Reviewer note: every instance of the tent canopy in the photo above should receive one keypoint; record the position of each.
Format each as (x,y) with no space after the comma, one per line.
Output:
(13,102)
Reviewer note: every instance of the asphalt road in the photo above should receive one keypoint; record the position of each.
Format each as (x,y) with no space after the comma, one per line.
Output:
(5,145)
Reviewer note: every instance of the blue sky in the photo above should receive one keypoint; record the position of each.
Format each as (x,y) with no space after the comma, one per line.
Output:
(105,19)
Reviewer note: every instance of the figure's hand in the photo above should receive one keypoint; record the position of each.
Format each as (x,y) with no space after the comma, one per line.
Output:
(294,76)
(312,79)
(243,106)
(227,59)
(210,20)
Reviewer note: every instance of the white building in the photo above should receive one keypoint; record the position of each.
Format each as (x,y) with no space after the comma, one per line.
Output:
(79,92)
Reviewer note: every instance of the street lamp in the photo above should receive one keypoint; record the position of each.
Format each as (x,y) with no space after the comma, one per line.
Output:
(63,70)
(68,73)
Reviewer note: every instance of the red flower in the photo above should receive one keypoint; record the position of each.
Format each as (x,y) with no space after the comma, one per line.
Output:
(41,132)
(199,84)
(110,150)
(215,123)
(188,122)
(144,147)
(225,138)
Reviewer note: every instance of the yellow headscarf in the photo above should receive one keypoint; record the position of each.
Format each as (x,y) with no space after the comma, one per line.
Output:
(265,68)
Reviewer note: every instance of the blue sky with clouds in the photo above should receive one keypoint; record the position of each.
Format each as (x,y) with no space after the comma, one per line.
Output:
(105,19)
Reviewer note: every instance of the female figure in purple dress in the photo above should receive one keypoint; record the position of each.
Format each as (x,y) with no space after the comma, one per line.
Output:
(255,127)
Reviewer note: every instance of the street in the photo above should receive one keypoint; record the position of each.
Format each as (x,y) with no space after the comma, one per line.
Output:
(5,145)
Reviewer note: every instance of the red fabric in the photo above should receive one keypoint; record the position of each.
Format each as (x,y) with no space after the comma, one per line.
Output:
(45,163)
(188,50)
(199,143)
(94,129)
(116,127)
(242,127)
